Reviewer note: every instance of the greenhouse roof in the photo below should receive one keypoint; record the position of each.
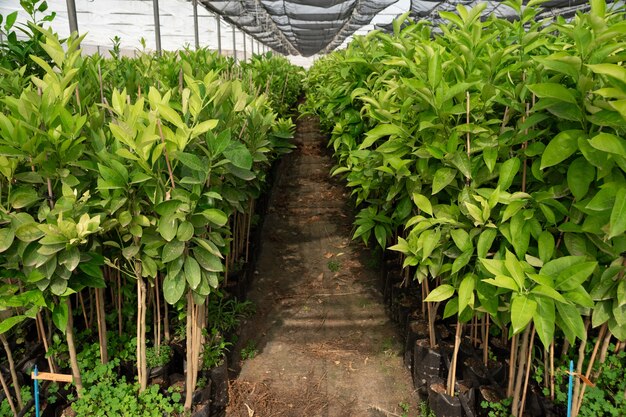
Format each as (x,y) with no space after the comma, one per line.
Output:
(308,27)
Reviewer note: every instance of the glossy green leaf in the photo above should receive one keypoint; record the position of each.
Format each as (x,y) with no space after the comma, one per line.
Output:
(617,226)
(441,293)
(522,311)
(561,147)
(172,250)
(443,177)
(173,287)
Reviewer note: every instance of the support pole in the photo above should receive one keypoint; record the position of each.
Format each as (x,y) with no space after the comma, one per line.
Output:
(195,24)
(71,15)
(234,44)
(245,57)
(157,26)
(219,34)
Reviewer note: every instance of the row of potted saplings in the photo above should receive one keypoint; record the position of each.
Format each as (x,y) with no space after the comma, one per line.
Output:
(482,370)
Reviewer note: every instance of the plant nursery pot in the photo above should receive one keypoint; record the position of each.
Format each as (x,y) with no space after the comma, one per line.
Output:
(219,388)
(476,374)
(415,329)
(202,401)
(159,374)
(490,394)
(441,403)
(427,363)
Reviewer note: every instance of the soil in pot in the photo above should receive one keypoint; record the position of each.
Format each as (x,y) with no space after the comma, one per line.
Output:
(476,374)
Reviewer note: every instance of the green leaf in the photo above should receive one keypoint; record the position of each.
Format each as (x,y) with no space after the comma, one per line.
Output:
(381,235)
(192,161)
(172,250)
(522,310)
(192,272)
(378,132)
(466,292)
(571,322)
(570,278)
(461,239)
(60,316)
(423,203)
(553,90)
(185,231)
(561,147)
(462,260)
(617,225)
(580,175)
(173,287)
(495,266)
(238,155)
(28,232)
(544,319)
(215,216)
(7,236)
(546,291)
(441,293)
(609,143)
(503,281)
(546,246)
(508,171)
(443,177)
(485,241)
(70,258)
(168,226)
(170,115)
(23,197)
(602,312)
(515,268)
(612,70)
(207,260)
(431,240)
(8,323)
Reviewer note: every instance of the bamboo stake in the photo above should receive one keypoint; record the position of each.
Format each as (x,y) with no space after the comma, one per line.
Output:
(158,315)
(431,319)
(189,354)
(486,340)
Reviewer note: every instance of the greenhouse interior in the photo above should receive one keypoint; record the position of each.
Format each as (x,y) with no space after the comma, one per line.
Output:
(312,208)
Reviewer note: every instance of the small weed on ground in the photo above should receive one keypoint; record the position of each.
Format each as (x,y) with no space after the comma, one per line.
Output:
(334,266)
(249,351)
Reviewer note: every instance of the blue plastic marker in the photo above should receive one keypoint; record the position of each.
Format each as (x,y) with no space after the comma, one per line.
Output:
(571,386)
(36,392)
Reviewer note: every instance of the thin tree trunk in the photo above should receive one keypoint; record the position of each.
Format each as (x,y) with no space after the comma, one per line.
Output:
(142,368)
(528,363)
(579,370)
(552,371)
(189,357)
(455,356)
(486,340)
(16,383)
(7,394)
(39,322)
(102,326)
(592,359)
(512,363)
(120,323)
(69,335)
(519,372)
(166,320)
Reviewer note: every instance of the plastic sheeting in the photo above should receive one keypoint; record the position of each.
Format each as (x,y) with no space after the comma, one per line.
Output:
(308,27)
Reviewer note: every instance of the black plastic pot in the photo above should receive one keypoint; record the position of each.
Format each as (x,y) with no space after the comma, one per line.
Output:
(202,400)
(427,363)
(441,403)
(161,372)
(219,389)
(415,329)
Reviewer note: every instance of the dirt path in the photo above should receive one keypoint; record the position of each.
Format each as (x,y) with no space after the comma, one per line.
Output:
(321,340)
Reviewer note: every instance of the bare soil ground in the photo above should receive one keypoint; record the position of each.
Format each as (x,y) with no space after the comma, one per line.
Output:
(321,342)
